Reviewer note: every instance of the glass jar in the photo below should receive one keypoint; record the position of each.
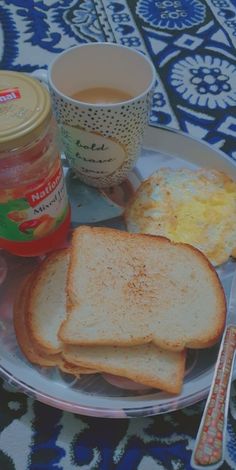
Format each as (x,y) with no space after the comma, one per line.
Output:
(34,208)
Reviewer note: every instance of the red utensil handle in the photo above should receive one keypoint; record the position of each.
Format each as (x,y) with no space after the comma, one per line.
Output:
(210,439)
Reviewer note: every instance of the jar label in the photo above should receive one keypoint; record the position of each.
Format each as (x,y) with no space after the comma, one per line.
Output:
(9,94)
(32,212)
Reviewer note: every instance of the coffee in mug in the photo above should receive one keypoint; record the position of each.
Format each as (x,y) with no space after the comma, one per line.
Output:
(101,95)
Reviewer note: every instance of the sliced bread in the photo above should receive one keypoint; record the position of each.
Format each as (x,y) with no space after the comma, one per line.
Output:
(146,364)
(128,289)
(22,334)
(47,302)
(27,346)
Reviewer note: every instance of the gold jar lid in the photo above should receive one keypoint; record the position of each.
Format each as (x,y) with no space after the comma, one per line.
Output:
(25,109)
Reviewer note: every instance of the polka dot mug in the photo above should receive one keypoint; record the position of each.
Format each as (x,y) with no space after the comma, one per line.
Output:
(101,140)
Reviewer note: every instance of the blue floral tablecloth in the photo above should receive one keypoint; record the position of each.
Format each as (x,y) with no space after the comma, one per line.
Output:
(192,44)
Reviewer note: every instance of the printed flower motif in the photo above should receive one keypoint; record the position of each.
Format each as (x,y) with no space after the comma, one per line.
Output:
(80,17)
(205,81)
(158,118)
(118,18)
(83,20)
(158,101)
(171,14)
(210,80)
(132,41)
(115,7)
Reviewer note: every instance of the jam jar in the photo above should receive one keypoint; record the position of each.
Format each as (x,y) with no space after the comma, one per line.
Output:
(34,208)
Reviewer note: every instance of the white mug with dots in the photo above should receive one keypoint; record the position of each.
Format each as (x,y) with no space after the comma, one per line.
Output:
(101,95)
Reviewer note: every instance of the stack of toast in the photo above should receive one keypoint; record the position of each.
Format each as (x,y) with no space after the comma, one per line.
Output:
(123,304)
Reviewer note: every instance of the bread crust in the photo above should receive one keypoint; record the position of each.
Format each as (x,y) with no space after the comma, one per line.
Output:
(171,385)
(27,346)
(208,337)
(38,280)
(21,330)
(39,352)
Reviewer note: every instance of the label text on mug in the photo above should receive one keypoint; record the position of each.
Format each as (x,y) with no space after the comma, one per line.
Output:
(90,153)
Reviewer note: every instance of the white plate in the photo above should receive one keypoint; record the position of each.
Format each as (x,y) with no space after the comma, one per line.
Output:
(92,395)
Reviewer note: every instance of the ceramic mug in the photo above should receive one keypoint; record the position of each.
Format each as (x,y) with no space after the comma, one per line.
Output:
(101,141)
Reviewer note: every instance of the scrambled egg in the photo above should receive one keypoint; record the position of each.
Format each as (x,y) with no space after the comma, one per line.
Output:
(195,207)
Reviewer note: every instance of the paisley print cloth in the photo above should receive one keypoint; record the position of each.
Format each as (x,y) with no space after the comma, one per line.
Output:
(192,44)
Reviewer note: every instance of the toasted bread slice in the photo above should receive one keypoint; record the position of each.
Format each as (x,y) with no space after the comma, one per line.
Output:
(128,289)
(168,367)
(22,334)
(29,349)
(146,364)
(47,302)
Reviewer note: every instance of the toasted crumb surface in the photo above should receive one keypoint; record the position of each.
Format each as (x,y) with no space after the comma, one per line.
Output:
(30,350)
(129,289)
(22,334)
(121,303)
(146,364)
(47,301)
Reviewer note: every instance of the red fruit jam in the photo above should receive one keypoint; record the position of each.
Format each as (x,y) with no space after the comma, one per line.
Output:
(34,208)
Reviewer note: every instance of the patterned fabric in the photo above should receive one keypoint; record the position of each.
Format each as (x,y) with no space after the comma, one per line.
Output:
(192,44)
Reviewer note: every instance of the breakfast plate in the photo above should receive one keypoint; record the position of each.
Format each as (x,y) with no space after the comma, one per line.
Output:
(96,394)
